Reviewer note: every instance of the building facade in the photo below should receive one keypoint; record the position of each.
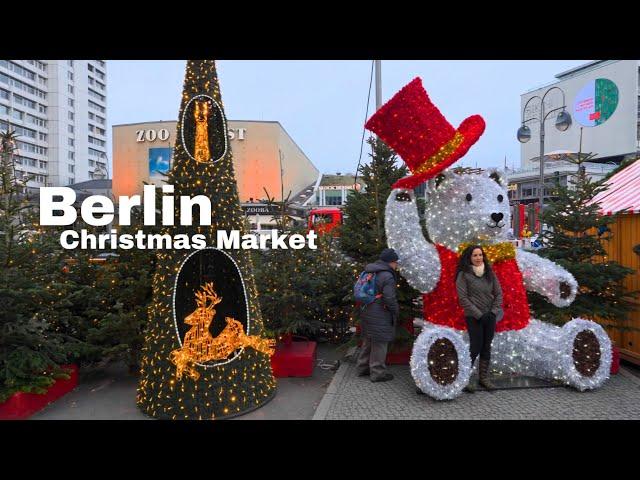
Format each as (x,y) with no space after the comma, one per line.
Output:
(264,157)
(333,190)
(524,184)
(602,99)
(58,109)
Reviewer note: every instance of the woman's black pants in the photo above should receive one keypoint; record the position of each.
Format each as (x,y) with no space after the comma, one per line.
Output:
(481,333)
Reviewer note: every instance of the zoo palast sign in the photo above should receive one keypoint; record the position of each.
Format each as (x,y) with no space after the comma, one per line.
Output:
(163,134)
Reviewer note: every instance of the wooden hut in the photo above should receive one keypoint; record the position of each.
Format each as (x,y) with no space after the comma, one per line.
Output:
(623,198)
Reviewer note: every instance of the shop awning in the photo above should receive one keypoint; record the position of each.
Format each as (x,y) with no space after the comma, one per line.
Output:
(623,192)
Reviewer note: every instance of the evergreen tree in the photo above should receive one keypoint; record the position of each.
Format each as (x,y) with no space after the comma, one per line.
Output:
(244,381)
(106,308)
(30,352)
(363,234)
(305,291)
(574,239)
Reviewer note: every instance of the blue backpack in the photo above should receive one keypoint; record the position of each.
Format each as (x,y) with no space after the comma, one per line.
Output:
(364,291)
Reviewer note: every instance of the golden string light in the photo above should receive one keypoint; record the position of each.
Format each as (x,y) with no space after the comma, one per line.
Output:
(200,347)
(496,252)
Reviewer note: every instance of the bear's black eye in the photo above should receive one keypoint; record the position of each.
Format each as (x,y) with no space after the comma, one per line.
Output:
(500,198)
(403,197)
(469,197)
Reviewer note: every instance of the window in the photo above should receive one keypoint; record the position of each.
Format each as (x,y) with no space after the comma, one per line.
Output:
(96,95)
(71,142)
(42,164)
(71,116)
(14,67)
(91,116)
(71,168)
(96,141)
(70,89)
(97,107)
(333,197)
(70,63)
(71,155)
(24,101)
(71,181)
(101,131)
(4,110)
(22,86)
(70,128)
(41,178)
(38,64)
(90,67)
(95,153)
(4,94)
(29,147)
(92,163)
(36,121)
(91,81)
(19,130)
(70,76)
(100,120)
(17,114)
(42,108)
(42,136)
(91,128)
(70,102)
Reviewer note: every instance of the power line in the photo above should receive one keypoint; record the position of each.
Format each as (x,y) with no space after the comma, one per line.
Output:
(366,116)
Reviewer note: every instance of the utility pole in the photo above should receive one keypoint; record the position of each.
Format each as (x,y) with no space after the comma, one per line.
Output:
(378,67)
(378,64)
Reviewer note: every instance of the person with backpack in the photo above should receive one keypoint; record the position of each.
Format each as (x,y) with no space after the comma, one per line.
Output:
(376,291)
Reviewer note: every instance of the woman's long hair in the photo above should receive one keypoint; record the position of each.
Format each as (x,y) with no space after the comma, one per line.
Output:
(464,265)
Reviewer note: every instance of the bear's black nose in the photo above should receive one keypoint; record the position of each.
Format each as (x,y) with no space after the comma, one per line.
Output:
(496,217)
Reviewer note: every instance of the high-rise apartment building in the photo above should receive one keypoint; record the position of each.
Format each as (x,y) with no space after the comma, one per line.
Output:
(59,111)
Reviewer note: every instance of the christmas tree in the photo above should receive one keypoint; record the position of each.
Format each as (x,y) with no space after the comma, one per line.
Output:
(574,239)
(30,351)
(220,370)
(363,234)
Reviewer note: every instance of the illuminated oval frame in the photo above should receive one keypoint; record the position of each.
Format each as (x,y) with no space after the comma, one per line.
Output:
(246,301)
(224,127)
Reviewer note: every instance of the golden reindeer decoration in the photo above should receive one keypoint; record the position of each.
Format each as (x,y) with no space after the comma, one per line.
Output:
(199,346)
(201,114)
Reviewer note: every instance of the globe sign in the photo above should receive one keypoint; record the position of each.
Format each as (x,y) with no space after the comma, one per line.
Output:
(596,102)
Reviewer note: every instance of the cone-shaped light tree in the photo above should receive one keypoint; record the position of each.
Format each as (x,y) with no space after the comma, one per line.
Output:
(203,356)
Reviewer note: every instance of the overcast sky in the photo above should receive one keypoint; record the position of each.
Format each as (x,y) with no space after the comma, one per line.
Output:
(322,104)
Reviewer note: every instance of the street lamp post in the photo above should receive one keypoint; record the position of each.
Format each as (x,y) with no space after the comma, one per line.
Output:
(563,122)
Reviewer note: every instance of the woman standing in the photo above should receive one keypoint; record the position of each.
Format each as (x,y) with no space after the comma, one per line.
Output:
(480,295)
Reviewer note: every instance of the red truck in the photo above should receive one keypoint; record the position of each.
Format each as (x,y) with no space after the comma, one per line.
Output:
(324,220)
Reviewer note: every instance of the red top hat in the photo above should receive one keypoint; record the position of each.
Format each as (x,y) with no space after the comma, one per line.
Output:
(414,127)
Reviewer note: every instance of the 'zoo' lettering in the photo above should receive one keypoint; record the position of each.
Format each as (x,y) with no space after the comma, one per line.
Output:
(152,135)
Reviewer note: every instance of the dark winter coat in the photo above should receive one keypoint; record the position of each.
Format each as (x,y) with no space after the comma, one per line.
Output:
(379,318)
(479,295)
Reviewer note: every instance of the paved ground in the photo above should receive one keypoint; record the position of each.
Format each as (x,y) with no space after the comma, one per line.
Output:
(357,398)
(113,396)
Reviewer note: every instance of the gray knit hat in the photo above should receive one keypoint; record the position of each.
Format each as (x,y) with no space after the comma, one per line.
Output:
(389,255)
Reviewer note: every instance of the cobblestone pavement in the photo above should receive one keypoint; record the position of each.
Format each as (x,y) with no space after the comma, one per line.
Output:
(357,398)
